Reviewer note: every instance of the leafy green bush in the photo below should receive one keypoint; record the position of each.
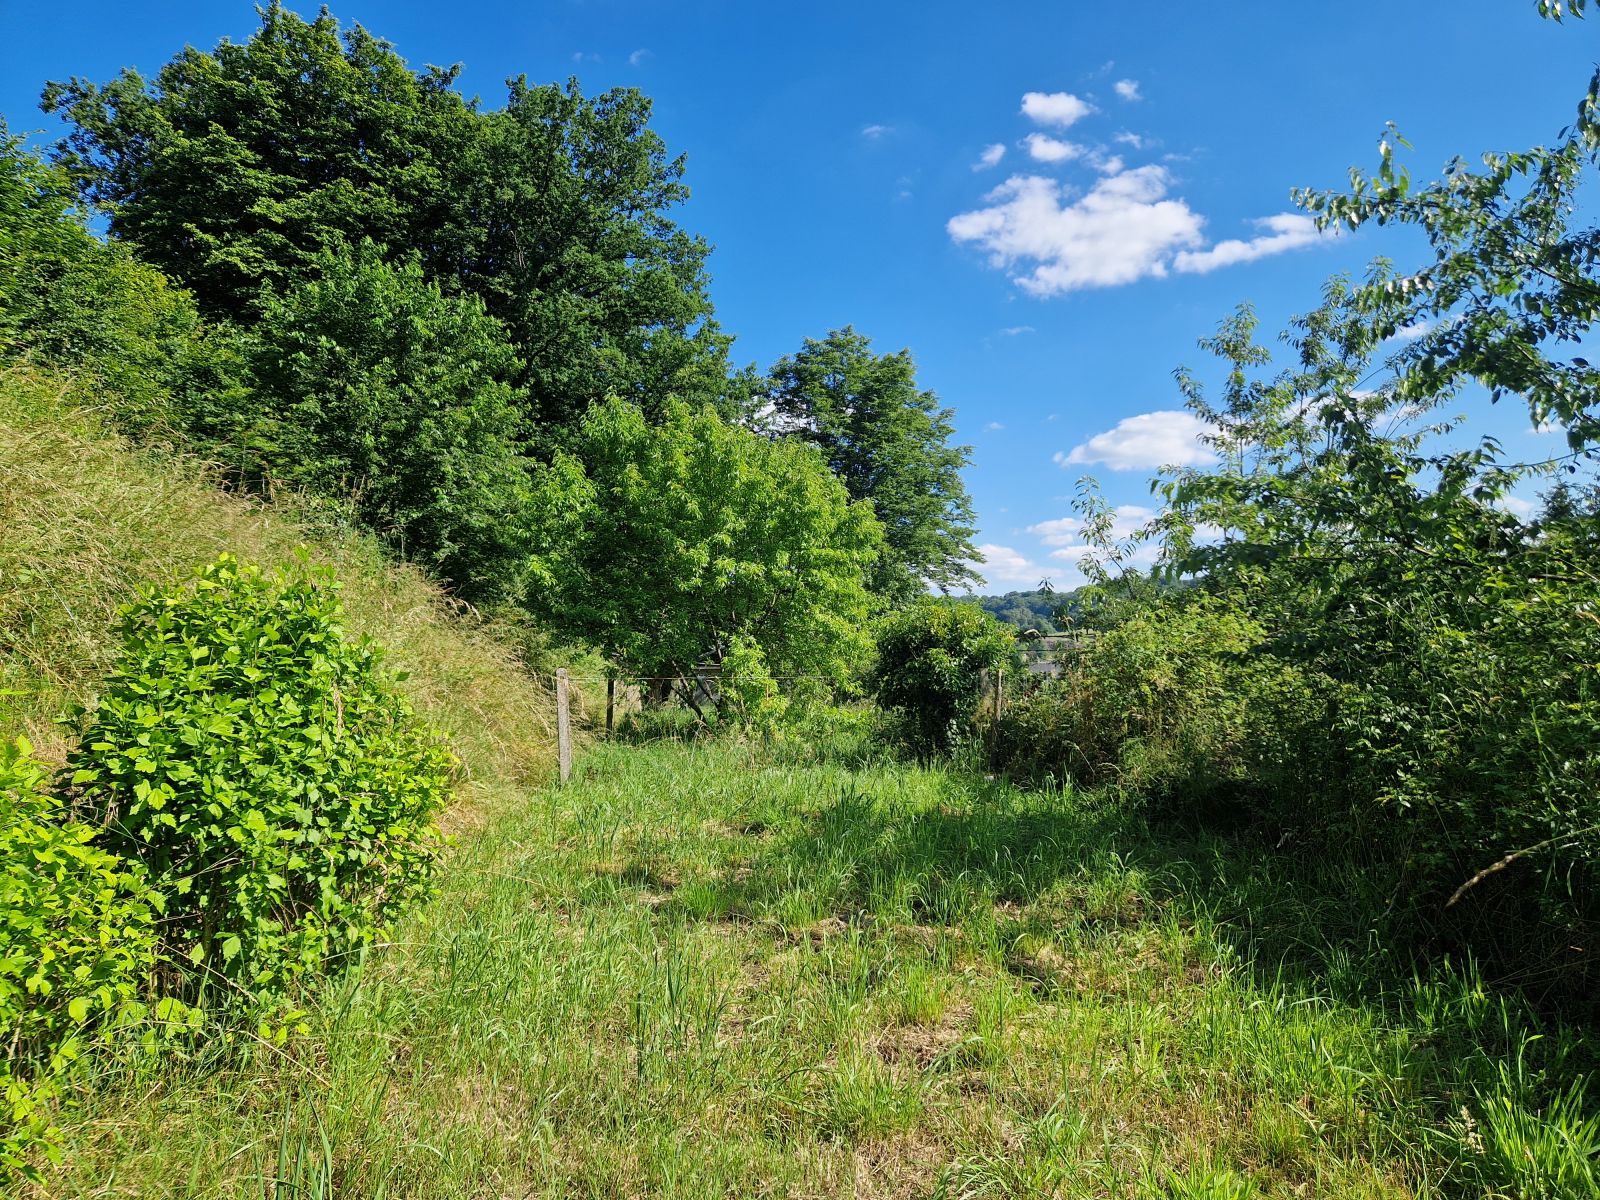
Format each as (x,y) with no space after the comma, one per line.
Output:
(1178,699)
(931,659)
(76,944)
(278,790)
(69,299)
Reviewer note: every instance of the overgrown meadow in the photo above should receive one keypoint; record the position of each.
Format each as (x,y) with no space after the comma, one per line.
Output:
(1282,883)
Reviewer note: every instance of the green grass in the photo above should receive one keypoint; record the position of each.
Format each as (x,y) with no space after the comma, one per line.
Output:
(700,970)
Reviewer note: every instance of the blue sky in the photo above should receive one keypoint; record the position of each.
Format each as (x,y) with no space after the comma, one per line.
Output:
(1047,203)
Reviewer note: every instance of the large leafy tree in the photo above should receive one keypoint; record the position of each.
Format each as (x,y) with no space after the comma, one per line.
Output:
(889,441)
(232,170)
(235,169)
(373,386)
(564,232)
(676,545)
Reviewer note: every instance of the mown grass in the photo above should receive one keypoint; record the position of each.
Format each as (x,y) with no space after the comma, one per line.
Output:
(702,970)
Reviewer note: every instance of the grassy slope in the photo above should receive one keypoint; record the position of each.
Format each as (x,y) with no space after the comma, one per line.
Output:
(703,972)
(84,522)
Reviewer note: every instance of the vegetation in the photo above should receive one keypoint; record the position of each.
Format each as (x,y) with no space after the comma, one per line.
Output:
(931,660)
(235,170)
(671,546)
(1286,886)
(889,443)
(711,972)
(77,942)
(1037,609)
(279,795)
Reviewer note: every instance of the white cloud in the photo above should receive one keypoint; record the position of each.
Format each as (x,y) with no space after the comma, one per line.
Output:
(1124,228)
(1411,332)
(1044,148)
(637,57)
(990,157)
(1120,231)
(1170,437)
(581,56)
(993,427)
(1285,231)
(1068,531)
(1130,139)
(1055,108)
(1004,565)
(876,131)
(1128,89)
(1517,506)
(1016,330)
(1111,165)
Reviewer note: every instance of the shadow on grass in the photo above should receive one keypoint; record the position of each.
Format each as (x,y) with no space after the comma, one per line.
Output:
(1007,868)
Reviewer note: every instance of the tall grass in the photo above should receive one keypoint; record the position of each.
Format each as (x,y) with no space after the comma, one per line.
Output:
(85,521)
(698,971)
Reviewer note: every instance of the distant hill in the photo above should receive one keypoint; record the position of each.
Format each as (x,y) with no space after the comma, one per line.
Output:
(1028,610)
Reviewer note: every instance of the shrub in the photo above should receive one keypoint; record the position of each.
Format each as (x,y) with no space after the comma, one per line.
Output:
(931,659)
(76,943)
(1178,700)
(279,791)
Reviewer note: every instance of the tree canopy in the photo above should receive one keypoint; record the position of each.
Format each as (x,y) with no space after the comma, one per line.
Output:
(890,443)
(234,170)
(672,545)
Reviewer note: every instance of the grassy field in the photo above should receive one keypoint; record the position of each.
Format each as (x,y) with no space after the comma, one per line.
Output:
(712,971)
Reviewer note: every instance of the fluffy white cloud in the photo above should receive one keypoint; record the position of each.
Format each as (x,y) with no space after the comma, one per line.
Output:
(1285,231)
(1149,440)
(1411,332)
(876,131)
(637,57)
(1128,89)
(1126,227)
(1044,148)
(993,427)
(990,157)
(1004,565)
(1055,108)
(1130,139)
(1121,230)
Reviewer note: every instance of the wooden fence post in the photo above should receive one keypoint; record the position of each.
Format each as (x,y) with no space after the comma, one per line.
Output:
(611,703)
(563,725)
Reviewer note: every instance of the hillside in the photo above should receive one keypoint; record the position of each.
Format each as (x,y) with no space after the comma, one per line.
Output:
(85,521)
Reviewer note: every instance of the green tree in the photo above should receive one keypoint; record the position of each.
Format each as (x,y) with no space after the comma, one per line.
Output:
(68,299)
(235,170)
(372,385)
(565,233)
(1371,538)
(672,546)
(931,659)
(890,443)
(232,170)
